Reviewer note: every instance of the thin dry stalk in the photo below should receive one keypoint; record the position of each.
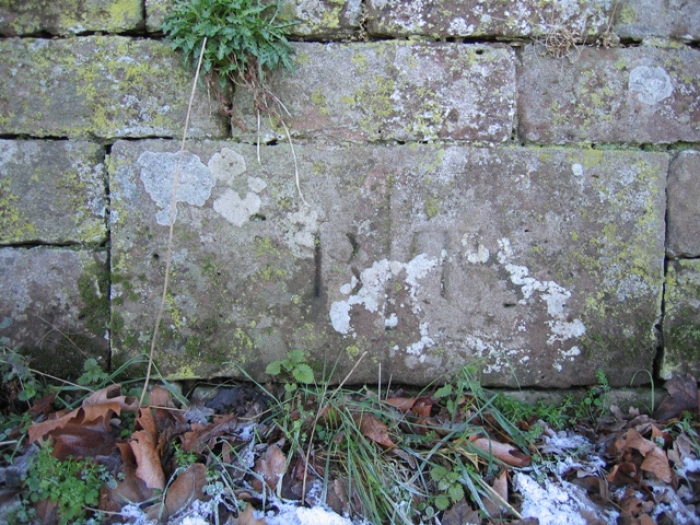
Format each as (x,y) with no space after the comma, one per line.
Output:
(173,210)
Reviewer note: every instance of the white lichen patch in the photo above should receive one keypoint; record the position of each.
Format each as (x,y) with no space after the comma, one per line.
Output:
(372,296)
(236,210)
(499,358)
(651,84)
(301,232)
(227,165)
(475,252)
(157,172)
(552,294)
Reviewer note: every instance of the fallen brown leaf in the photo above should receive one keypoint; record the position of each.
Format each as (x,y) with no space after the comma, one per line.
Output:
(506,453)
(96,413)
(143,444)
(272,466)
(683,395)
(500,488)
(372,428)
(187,487)
(247,517)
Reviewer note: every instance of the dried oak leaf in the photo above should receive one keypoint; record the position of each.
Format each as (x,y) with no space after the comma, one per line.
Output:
(655,460)
(187,487)
(272,466)
(372,428)
(95,413)
(508,454)
(683,395)
(144,445)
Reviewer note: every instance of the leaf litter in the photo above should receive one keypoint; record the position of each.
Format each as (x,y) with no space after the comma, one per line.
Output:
(252,454)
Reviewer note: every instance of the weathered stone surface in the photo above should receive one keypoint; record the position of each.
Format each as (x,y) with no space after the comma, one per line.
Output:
(391,91)
(683,230)
(649,19)
(312,18)
(99,86)
(66,17)
(414,253)
(682,319)
(636,95)
(52,192)
(57,302)
(479,18)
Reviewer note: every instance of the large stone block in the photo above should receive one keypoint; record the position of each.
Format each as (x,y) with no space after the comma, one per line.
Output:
(636,95)
(311,18)
(102,87)
(684,206)
(67,17)
(486,18)
(52,192)
(650,19)
(682,319)
(390,91)
(56,303)
(538,265)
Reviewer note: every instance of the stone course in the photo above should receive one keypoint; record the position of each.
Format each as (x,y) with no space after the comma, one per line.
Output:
(57,302)
(391,91)
(684,206)
(635,96)
(474,186)
(52,192)
(682,319)
(70,17)
(413,253)
(484,18)
(103,87)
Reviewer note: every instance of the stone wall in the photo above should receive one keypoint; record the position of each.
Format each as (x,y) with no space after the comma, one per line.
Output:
(468,183)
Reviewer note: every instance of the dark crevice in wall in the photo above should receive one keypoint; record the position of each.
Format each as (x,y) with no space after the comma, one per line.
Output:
(43,244)
(108,248)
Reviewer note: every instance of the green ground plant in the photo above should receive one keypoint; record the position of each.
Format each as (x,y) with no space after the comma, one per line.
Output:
(73,485)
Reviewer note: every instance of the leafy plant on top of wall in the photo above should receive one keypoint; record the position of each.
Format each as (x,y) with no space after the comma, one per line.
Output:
(243,42)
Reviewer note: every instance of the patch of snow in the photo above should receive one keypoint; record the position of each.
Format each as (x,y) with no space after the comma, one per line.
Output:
(558,503)
(689,465)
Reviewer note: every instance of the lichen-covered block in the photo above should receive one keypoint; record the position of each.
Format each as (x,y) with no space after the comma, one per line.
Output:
(52,192)
(389,91)
(413,253)
(636,95)
(681,319)
(104,87)
(69,17)
(683,237)
(55,301)
(309,18)
(486,18)
(648,20)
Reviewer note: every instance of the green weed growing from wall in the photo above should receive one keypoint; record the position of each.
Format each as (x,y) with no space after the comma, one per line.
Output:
(243,39)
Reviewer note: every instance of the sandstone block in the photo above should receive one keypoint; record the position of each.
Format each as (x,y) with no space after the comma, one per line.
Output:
(102,87)
(55,301)
(682,319)
(413,253)
(683,230)
(52,192)
(390,91)
(634,95)
(649,19)
(312,18)
(480,18)
(69,17)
